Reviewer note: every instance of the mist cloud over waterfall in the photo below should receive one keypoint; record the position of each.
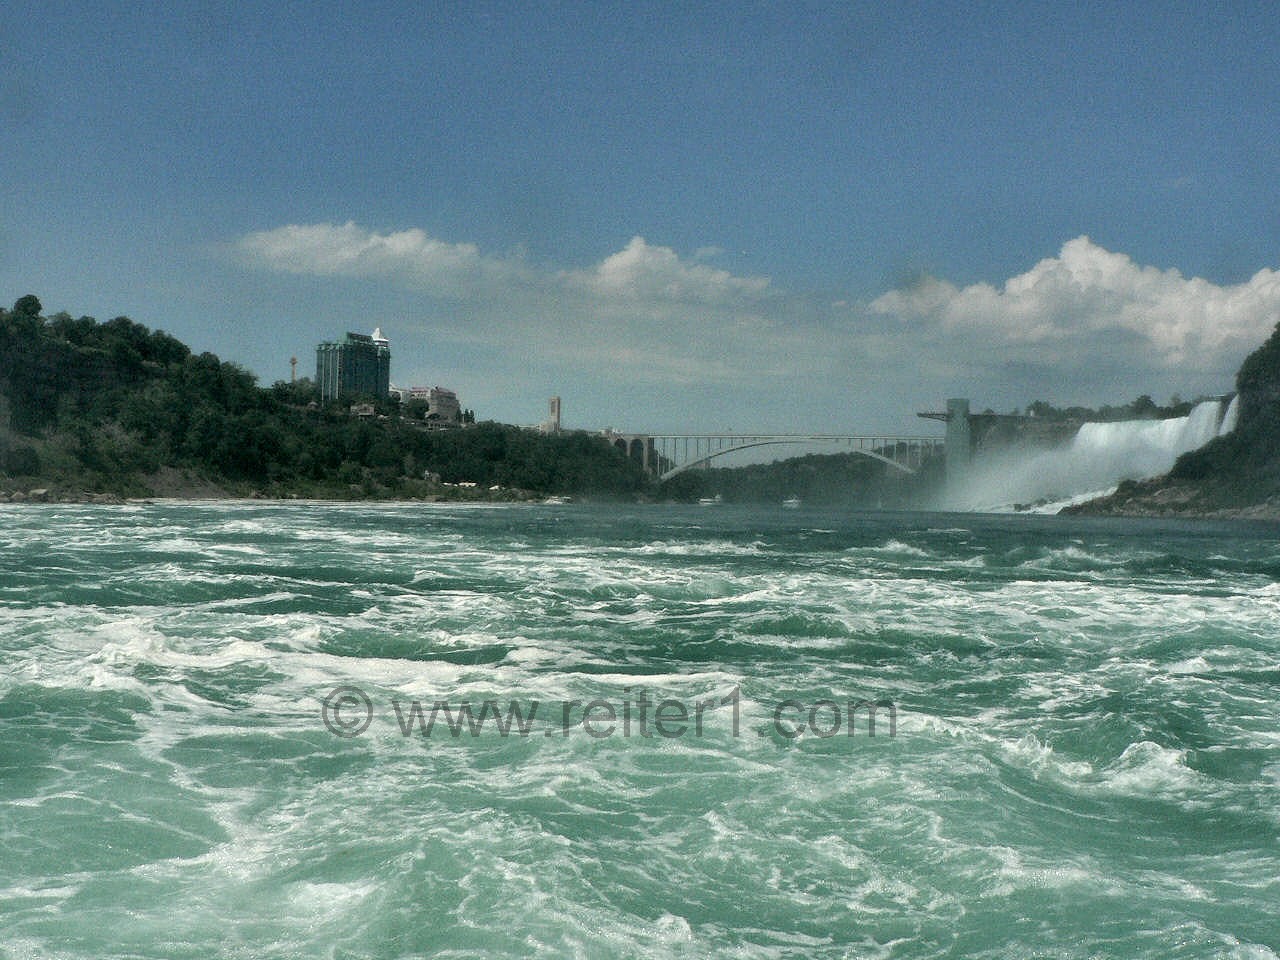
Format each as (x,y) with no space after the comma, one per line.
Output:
(1092,463)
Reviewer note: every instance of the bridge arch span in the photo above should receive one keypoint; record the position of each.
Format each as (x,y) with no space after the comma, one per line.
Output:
(667,455)
(705,460)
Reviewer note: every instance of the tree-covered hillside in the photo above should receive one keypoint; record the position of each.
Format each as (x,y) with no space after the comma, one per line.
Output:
(111,407)
(835,480)
(1246,462)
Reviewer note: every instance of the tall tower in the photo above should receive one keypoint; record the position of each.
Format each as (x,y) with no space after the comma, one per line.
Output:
(553,424)
(959,442)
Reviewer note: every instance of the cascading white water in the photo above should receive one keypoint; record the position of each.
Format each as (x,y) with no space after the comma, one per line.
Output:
(1097,458)
(1132,449)
(1230,417)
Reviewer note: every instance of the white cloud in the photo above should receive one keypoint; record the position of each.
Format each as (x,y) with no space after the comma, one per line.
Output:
(643,272)
(1088,297)
(411,256)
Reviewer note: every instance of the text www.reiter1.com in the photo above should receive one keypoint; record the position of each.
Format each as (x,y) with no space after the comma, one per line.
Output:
(347,711)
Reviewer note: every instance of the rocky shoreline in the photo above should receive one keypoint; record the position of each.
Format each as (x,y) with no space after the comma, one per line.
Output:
(45,495)
(1169,498)
(170,484)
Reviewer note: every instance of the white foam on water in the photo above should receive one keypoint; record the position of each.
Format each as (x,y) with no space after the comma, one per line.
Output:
(229,650)
(321,672)
(242,549)
(51,892)
(379,544)
(1071,556)
(679,548)
(323,902)
(250,526)
(1146,769)
(891,548)
(1190,934)
(1039,758)
(1014,874)
(1190,666)
(674,930)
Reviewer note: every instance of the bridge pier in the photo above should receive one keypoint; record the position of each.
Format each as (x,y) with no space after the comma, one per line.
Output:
(637,447)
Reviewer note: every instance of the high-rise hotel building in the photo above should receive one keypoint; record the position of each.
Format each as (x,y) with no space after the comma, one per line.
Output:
(358,365)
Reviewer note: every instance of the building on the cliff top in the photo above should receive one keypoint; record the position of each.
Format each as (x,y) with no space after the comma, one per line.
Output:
(357,365)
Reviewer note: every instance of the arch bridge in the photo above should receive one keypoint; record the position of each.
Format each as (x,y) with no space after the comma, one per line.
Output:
(666,455)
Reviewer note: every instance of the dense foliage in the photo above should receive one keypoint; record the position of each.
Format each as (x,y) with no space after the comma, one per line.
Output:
(1140,408)
(103,406)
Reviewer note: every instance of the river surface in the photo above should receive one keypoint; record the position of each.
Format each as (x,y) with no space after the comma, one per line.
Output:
(260,730)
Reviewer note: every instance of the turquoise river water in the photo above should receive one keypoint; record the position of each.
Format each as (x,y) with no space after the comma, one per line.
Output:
(240,730)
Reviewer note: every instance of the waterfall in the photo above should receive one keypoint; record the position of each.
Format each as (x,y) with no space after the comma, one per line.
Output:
(1230,417)
(1097,458)
(1132,449)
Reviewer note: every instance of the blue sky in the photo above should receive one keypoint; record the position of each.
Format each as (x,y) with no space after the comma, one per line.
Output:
(677,217)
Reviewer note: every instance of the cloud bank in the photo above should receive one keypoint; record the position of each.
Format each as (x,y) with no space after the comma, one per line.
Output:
(1088,325)
(1088,295)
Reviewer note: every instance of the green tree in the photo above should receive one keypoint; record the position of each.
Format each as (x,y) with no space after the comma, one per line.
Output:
(1144,407)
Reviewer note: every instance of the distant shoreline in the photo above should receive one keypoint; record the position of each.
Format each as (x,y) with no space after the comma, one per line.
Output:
(1156,499)
(43,496)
